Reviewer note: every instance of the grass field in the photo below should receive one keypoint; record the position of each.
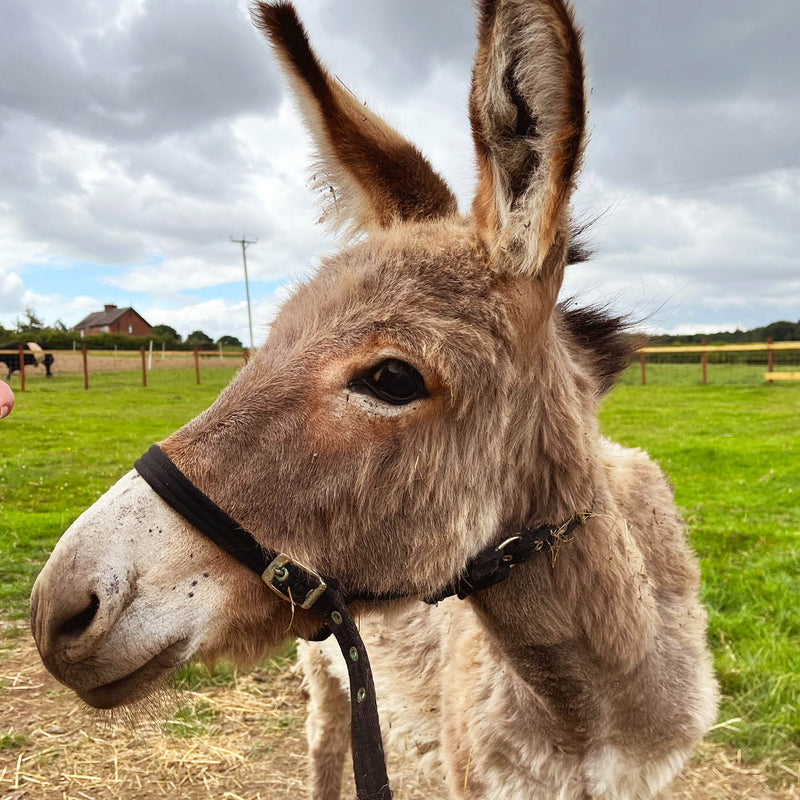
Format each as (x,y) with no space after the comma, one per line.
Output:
(730,451)
(63,447)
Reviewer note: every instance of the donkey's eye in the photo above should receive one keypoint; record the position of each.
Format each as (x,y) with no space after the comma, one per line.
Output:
(393,381)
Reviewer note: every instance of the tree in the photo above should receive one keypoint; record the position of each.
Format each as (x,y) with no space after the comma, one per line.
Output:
(166,334)
(199,339)
(31,323)
(782,331)
(228,341)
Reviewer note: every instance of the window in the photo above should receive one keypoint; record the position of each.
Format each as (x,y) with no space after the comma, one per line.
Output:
(130,329)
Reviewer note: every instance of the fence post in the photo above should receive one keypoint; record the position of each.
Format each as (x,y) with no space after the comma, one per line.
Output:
(246,354)
(21,368)
(704,362)
(770,357)
(144,367)
(85,367)
(197,364)
(641,361)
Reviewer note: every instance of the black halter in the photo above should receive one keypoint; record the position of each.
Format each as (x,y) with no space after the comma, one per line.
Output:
(304,587)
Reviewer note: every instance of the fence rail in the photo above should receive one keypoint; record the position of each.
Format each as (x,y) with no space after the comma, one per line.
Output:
(704,350)
(722,348)
(83,360)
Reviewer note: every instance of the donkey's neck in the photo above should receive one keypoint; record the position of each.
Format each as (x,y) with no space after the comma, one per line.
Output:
(582,610)
(581,614)
(552,465)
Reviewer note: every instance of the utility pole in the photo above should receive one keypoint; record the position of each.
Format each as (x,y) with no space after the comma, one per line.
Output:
(244,242)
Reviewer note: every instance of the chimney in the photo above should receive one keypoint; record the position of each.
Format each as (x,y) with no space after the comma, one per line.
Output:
(109,307)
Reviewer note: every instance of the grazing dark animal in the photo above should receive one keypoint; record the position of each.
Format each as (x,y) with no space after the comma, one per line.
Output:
(32,359)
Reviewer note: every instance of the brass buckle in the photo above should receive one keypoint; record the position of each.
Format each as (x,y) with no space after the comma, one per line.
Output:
(278,572)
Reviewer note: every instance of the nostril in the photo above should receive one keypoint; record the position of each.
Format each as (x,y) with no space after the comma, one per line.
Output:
(76,625)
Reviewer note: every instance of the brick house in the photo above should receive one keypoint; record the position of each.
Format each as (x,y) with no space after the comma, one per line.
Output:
(114,320)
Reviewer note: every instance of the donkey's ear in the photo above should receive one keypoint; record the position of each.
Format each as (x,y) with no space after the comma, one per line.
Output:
(528,116)
(370,176)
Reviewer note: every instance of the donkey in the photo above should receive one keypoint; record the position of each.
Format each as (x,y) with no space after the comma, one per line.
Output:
(424,397)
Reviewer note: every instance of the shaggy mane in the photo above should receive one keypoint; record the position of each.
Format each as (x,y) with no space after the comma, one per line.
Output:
(604,337)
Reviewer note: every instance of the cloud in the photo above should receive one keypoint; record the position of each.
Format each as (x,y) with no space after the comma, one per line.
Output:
(132,71)
(12,292)
(138,136)
(219,317)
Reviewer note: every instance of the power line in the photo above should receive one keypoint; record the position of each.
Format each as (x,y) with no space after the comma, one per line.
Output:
(244,242)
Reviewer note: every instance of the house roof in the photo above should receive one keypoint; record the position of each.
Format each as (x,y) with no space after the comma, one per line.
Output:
(100,318)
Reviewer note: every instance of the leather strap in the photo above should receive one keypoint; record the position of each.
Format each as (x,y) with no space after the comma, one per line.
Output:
(297,584)
(304,587)
(494,564)
(176,490)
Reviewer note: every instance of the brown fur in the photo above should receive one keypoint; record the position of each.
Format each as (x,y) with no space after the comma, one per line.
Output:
(369,172)
(585,674)
(527,110)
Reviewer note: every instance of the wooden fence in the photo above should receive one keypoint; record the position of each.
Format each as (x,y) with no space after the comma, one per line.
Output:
(83,360)
(769,347)
(143,359)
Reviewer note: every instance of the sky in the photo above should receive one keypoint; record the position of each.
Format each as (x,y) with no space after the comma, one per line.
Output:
(138,136)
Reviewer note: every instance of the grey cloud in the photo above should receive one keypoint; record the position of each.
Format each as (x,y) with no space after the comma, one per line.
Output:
(694,105)
(643,143)
(211,166)
(143,195)
(175,66)
(684,50)
(406,40)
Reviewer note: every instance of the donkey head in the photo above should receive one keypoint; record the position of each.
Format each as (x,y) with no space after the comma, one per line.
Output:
(417,397)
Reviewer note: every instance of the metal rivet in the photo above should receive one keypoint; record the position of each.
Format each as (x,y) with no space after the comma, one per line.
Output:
(361,694)
(353,654)
(336,617)
(280,574)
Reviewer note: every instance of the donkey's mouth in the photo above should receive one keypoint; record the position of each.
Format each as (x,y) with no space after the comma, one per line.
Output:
(140,682)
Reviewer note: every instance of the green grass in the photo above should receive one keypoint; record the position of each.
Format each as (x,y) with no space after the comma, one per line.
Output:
(194,677)
(192,719)
(10,740)
(63,447)
(732,453)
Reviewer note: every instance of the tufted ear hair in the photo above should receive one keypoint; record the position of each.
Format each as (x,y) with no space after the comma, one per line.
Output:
(370,176)
(528,116)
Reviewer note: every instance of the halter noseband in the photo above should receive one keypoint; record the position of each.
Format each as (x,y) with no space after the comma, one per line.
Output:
(306,588)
